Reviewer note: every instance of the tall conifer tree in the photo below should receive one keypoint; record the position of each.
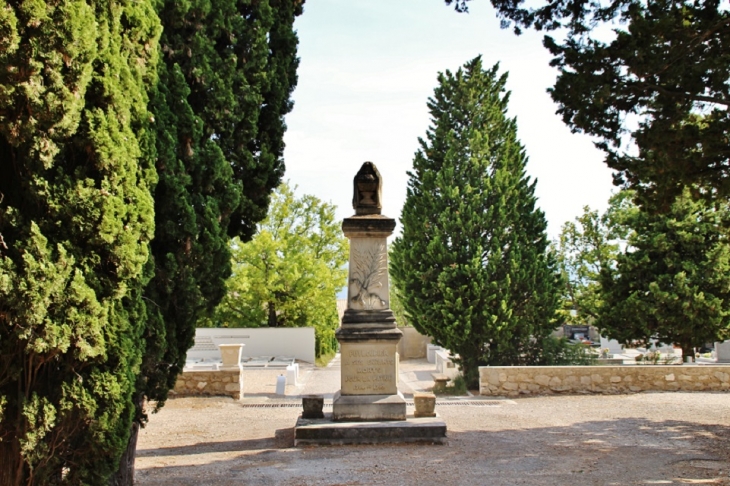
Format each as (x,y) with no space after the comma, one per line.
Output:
(472,265)
(76,218)
(226,74)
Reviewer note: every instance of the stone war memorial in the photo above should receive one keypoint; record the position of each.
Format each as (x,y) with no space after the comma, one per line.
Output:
(368,336)
(368,407)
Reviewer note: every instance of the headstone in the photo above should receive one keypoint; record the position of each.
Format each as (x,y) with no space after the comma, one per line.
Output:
(722,351)
(281,385)
(431,352)
(613,346)
(368,336)
(292,374)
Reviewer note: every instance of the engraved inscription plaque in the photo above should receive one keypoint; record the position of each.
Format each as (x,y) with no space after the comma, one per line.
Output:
(368,369)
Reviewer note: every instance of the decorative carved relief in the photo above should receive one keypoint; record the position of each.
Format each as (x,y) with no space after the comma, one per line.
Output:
(368,270)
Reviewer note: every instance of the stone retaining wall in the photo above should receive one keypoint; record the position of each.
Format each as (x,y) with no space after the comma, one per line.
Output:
(539,380)
(213,382)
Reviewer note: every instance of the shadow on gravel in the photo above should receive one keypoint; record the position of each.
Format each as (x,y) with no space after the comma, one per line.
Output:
(283,438)
(608,452)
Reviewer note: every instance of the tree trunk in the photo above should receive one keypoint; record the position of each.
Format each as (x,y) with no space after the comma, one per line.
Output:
(125,474)
(272,315)
(687,350)
(12,470)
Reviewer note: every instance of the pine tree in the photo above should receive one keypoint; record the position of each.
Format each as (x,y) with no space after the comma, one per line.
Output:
(472,265)
(672,283)
(76,218)
(648,80)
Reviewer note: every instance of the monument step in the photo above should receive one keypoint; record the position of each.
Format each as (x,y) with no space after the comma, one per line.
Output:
(426,430)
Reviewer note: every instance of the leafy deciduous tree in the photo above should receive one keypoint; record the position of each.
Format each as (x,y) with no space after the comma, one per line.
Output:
(472,265)
(290,272)
(586,246)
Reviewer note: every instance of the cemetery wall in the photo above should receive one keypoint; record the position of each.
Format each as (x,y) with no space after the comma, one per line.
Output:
(213,382)
(413,344)
(541,380)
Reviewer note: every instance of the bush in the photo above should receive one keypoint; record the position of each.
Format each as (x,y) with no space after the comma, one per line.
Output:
(561,352)
(457,387)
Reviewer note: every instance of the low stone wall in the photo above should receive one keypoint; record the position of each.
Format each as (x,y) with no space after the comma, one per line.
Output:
(540,380)
(212,382)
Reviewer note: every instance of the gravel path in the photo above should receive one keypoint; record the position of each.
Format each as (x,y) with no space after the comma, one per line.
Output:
(650,438)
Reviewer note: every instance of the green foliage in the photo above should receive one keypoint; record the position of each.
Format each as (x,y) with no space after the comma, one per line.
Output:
(226,78)
(672,283)
(79,152)
(76,218)
(402,319)
(558,351)
(290,272)
(456,388)
(670,64)
(472,265)
(655,93)
(586,246)
(324,358)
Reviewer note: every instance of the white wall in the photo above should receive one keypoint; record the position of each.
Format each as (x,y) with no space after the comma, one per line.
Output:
(296,342)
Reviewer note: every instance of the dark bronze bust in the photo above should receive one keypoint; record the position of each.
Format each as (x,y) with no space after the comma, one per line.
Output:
(367,190)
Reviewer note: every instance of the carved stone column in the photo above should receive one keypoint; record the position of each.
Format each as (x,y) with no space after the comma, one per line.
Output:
(368,336)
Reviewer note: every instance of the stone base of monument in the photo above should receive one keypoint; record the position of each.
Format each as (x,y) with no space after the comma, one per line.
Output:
(325,431)
(366,408)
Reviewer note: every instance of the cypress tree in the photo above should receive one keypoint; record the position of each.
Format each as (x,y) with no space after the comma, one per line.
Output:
(76,218)
(226,75)
(472,265)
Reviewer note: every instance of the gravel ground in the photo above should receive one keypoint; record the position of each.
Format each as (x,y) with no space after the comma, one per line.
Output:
(649,438)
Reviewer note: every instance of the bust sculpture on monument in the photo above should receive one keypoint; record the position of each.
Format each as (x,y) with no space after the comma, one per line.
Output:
(367,190)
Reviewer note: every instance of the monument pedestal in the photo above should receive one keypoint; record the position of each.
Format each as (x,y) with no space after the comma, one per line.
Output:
(368,408)
(369,380)
(368,336)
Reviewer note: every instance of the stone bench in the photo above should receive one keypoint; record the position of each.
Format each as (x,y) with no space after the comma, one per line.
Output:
(440,381)
(445,365)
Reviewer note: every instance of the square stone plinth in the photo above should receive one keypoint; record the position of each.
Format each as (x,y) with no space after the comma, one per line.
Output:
(312,406)
(425,404)
(354,408)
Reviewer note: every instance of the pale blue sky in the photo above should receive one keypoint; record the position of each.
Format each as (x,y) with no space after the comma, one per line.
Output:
(369,66)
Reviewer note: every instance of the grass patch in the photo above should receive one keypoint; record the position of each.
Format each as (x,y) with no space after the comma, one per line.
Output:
(324,359)
(457,387)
